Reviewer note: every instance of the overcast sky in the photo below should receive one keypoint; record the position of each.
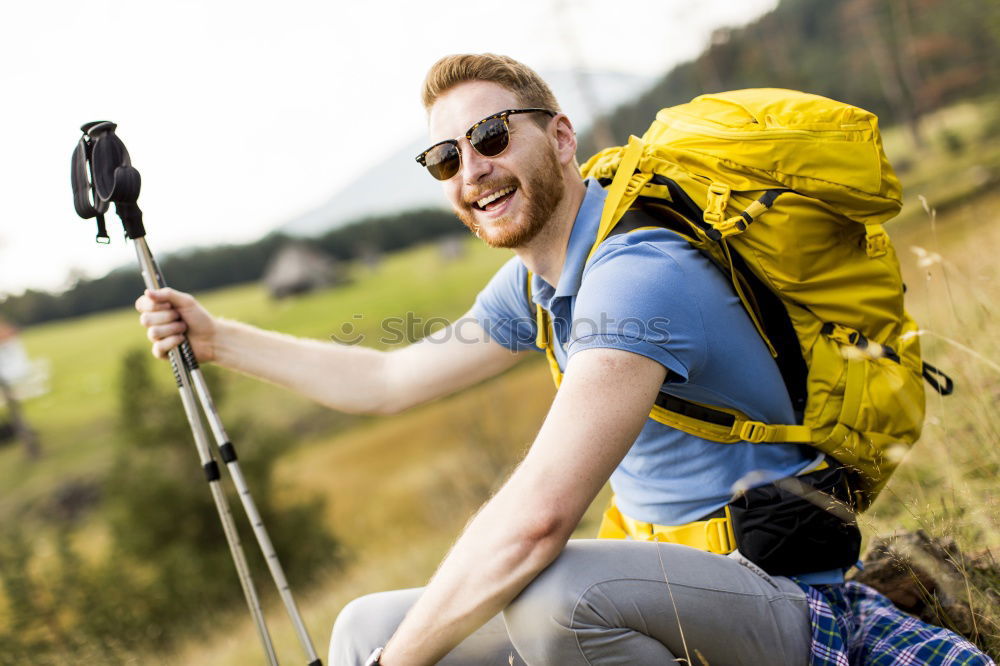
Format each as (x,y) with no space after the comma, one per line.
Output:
(240,115)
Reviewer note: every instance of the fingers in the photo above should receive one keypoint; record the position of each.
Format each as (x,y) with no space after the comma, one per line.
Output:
(157,333)
(160,312)
(162,347)
(167,295)
(165,336)
(158,317)
(162,299)
(146,303)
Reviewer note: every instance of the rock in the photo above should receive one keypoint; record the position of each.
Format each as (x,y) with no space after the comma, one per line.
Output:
(928,578)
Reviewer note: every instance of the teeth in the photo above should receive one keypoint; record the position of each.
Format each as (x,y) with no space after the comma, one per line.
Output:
(485,201)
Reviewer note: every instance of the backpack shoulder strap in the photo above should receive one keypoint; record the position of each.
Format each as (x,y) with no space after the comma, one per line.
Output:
(618,189)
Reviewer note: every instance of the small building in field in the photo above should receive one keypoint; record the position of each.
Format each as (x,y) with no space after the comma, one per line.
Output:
(298,268)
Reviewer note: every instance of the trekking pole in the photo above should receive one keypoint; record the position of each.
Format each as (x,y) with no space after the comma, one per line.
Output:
(93,190)
(114,179)
(154,280)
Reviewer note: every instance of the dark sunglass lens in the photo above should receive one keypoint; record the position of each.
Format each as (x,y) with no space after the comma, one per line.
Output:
(442,161)
(490,138)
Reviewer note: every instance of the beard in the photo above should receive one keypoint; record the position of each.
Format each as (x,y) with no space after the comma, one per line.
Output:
(542,189)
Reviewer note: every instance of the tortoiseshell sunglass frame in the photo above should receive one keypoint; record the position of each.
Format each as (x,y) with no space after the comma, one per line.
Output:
(503,115)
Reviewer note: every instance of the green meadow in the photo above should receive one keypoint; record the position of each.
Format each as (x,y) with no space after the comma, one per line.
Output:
(397,489)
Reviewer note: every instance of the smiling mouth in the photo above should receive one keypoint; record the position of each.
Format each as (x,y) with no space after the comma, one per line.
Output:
(494,200)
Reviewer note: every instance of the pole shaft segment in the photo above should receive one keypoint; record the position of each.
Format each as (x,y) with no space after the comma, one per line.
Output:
(185,352)
(253,515)
(151,278)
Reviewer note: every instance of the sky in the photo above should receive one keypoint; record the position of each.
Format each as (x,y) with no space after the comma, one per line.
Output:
(241,115)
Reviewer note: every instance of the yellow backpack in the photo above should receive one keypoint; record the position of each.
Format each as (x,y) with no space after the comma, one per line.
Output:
(787,192)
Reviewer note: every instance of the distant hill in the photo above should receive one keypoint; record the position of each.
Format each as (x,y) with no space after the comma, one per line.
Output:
(900,59)
(412,189)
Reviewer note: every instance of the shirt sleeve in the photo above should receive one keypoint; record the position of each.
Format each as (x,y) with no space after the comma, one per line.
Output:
(502,309)
(636,297)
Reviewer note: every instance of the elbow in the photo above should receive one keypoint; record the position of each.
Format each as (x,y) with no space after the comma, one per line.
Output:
(546,536)
(369,408)
(379,395)
(375,404)
(547,514)
(385,407)
(387,399)
(393,389)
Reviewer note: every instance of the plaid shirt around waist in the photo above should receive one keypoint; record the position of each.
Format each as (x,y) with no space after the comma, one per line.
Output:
(853,624)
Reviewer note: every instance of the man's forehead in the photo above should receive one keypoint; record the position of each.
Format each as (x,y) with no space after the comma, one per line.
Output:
(466,104)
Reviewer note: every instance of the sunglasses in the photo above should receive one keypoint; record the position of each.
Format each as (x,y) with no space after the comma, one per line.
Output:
(489,137)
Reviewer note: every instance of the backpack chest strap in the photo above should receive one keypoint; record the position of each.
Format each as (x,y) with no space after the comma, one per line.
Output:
(543,337)
(721,424)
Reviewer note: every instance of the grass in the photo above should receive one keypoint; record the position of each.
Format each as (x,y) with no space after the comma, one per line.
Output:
(399,489)
(947,484)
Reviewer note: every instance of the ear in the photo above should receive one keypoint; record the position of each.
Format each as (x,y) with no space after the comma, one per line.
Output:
(564,138)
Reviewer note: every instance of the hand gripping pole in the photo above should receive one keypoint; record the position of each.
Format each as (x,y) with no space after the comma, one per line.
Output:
(102,173)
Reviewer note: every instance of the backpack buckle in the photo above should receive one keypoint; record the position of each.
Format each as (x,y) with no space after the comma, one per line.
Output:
(718,199)
(636,183)
(876,241)
(719,535)
(753,431)
(730,227)
(719,189)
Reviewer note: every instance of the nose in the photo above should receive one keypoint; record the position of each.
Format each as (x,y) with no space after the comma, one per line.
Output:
(474,165)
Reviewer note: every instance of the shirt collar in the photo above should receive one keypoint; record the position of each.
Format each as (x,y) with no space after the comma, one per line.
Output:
(581,238)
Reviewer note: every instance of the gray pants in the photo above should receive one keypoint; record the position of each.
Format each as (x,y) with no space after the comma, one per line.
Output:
(615,602)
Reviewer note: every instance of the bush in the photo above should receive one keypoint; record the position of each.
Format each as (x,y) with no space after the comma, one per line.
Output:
(167,570)
(162,514)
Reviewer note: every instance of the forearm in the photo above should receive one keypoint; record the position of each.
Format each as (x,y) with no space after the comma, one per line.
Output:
(345,378)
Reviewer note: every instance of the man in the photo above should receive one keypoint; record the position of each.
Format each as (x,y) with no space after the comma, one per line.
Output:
(646,313)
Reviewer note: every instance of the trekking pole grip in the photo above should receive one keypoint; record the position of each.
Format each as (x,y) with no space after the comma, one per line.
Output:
(187,353)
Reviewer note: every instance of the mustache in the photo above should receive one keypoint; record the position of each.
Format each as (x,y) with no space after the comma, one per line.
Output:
(484,188)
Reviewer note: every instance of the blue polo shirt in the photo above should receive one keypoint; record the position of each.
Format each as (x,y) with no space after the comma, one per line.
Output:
(650,293)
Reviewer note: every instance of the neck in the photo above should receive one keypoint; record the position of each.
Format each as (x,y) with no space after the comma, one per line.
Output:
(545,254)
